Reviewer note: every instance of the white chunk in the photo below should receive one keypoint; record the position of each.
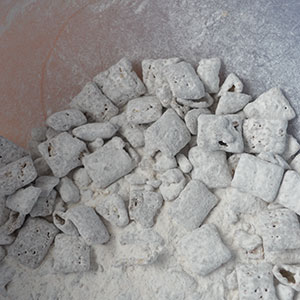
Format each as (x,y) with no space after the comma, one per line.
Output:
(208,71)
(191,119)
(96,144)
(264,135)
(231,102)
(270,105)
(257,177)
(63,223)
(288,275)
(51,133)
(291,148)
(68,191)
(4,212)
(81,178)
(220,133)
(46,184)
(120,83)
(231,84)
(184,164)
(247,241)
(206,101)
(44,205)
(284,292)
(195,250)
(164,162)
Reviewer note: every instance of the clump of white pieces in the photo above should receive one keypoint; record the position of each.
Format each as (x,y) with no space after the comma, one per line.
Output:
(172,164)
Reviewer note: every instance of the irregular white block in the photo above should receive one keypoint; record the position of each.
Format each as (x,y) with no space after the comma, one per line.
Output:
(270,105)
(143,110)
(231,84)
(183,81)
(195,250)
(14,222)
(208,71)
(94,104)
(231,102)
(66,119)
(291,148)
(210,167)
(257,177)
(184,164)
(264,135)
(288,275)
(62,153)
(233,161)
(220,133)
(284,292)
(193,205)
(120,83)
(168,134)
(191,119)
(68,191)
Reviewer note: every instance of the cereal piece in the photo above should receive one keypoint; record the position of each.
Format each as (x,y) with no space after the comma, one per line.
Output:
(274,159)
(289,191)
(257,177)
(16,175)
(256,282)
(143,110)
(210,167)
(81,178)
(112,208)
(220,133)
(41,167)
(6,276)
(193,205)
(208,71)
(109,163)
(288,275)
(195,250)
(231,84)
(247,241)
(184,164)
(44,205)
(291,148)
(284,292)
(183,81)
(191,119)
(66,119)
(164,162)
(264,135)
(63,223)
(88,224)
(68,191)
(120,83)
(140,246)
(23,200)
(14,222)
(173,182)
(33,241)
(71,254)
(168,134)
(62,153)
(279,229)
(10,152)
(90,132)
(4,212)
(96,144)
(2,253)
(94,104)
(270,105)
(39,133)
(231,102)
(46,184)
(143,206)
(206,101)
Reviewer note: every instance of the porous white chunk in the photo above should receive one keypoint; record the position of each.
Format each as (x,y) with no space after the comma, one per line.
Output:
(109,163)
(264,135)
(39,133)
(256,282)
(184,164)
(120,83)
(66,119)
(23,200)
(16,175)
(94,104)
(183,81)
(96,144)
(89,132)
(210,167)
(88,224)
(71,254)
(231,102)
(279,229)
(288,275)
(191,119)
(193,205)
(113,209)
(62,153)
(173,182)
(44,205)
(143,110)
(68,191)
(208,71)
(284,292)
(63,223)
(168,134)
(247,241)
(195,250)
(270,105)
(291,148)
(288,195)
(33,241)
(257,177)
(220,133)
(143,206)
(231,84)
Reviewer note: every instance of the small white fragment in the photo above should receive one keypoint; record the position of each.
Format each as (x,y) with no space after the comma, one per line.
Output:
(46,184)
(96,144)
(184,164)
(257,177)
(208,71)
(206,101)
(270,105)
(231,84)
(81,178)
(195,250)
(247,241)
(288,275)
(68,191)
(284,292)
(120,83)
(231,102)
(191,119)
(291,148)
(51,133)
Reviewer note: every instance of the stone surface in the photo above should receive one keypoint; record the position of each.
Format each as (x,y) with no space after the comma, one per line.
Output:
(183,163)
